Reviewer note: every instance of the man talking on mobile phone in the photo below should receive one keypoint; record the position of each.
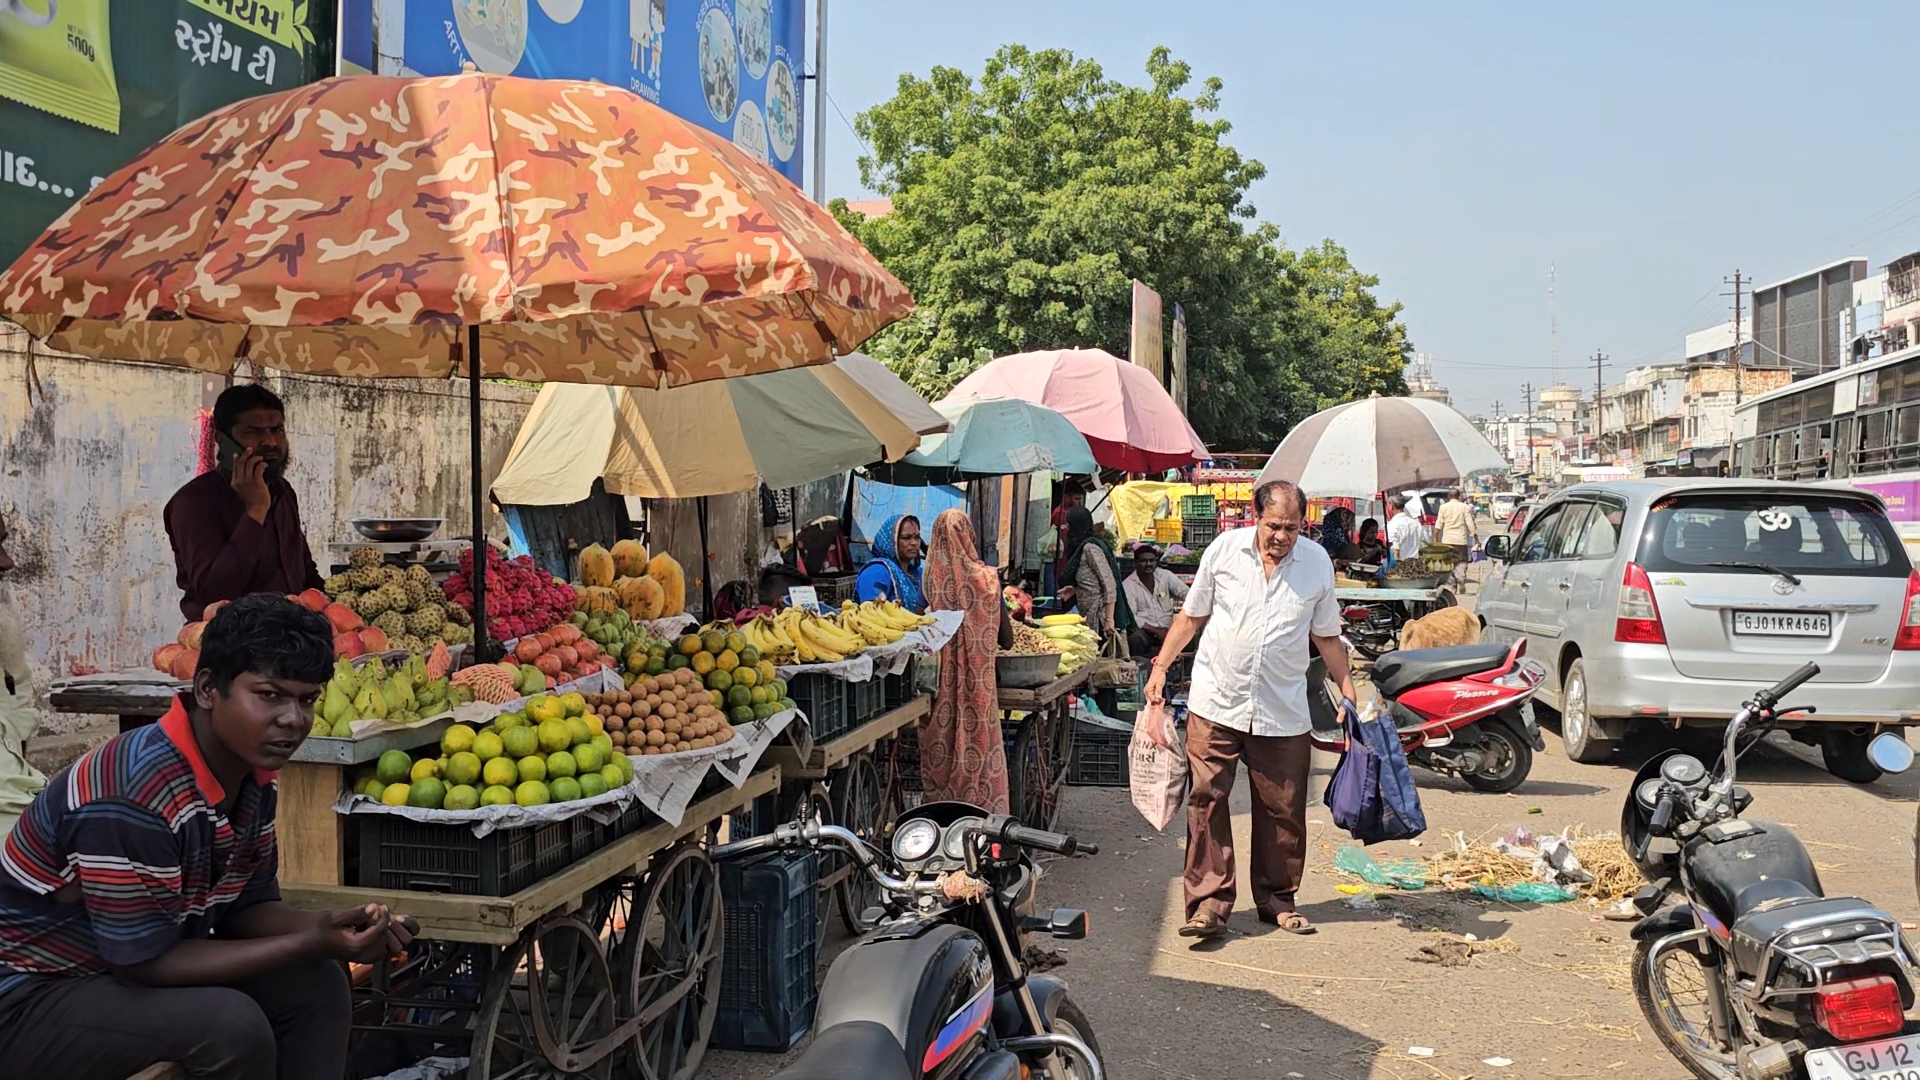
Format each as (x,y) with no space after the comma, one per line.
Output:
(236,530)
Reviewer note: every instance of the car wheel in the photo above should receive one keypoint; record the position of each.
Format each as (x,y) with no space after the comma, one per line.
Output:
(1846,756)
(1579,735)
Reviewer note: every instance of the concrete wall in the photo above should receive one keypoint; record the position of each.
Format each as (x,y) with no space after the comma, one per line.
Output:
(91,456)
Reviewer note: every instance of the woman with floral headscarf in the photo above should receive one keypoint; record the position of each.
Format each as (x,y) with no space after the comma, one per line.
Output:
(895,570)
(961,757)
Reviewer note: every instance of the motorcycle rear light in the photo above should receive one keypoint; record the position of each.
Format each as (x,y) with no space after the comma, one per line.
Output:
(1356,613)
(1908,636)
(1637,619)
(1859,1008)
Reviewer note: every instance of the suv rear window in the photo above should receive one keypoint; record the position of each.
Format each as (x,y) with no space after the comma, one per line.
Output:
(1799,533)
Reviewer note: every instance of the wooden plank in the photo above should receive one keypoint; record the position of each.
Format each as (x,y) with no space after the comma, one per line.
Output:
(311,836)
(1041,697)
(498,920)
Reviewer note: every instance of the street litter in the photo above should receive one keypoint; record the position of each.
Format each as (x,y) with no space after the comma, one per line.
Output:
(1497,1062)
(1394,873)
(1420,1051)
(1557,866)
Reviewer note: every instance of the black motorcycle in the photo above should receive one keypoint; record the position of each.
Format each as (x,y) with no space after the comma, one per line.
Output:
(939,989)
(1744,968)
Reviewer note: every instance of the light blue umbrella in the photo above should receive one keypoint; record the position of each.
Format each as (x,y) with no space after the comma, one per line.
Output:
(991,437)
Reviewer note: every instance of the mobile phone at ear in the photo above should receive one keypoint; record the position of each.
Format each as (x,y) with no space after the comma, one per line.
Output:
(227,451)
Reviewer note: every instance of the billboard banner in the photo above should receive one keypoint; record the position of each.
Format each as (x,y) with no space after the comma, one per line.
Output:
(85,85)
(731,66)
(1146,340)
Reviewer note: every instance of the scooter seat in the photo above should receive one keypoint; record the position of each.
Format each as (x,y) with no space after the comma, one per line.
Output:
(1404,669)
(859,1048)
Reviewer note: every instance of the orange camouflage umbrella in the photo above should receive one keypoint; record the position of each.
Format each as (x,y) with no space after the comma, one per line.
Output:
(356,226)
(535,229)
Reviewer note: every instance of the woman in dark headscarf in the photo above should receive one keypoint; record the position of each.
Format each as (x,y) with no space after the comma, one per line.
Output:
(1095,575)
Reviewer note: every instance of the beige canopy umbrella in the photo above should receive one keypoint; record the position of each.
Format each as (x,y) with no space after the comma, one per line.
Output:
(783,429)
(902,400)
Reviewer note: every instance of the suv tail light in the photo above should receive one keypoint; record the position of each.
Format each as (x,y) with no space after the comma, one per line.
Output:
(1859,1008)
(1908,636)
(1637,619)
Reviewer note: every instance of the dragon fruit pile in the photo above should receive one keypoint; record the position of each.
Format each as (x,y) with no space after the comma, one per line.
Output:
(521,598)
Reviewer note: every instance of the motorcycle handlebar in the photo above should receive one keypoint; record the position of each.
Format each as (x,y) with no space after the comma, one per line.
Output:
(1662,819)
(1768,698)
(1012,832)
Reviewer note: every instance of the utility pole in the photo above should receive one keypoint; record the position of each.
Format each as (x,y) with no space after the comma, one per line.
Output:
(1599,392)
(1736,282)
(1553,328)
(1500,425)
(1526,422)
(819,116)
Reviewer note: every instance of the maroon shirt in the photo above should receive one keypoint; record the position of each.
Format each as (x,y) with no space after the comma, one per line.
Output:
(222,554)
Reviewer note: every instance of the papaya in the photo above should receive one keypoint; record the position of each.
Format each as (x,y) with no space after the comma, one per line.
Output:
(641,597)
(629,559)
(595,598)
(673,583)
(596,567)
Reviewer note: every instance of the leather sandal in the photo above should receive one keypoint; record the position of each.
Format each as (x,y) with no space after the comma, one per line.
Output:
(1204,924)
(1291,921)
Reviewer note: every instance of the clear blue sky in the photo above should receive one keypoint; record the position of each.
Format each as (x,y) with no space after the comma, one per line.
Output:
(1457,149)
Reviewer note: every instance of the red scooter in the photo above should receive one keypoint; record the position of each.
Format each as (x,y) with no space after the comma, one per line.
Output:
(1466,710)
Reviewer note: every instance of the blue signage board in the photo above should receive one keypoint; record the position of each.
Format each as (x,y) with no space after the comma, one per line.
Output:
(731,66)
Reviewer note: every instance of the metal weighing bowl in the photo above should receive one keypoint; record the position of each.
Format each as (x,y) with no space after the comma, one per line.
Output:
(397,530)
(1026,672)
(1427,581)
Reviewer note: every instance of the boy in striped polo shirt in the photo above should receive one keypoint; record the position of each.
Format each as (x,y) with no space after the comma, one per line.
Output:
(140,911)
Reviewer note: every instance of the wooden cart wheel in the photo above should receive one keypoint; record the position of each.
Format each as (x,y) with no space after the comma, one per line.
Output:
(669,964)
(859,807)
(815,803)
(548,1012)
(1033,776)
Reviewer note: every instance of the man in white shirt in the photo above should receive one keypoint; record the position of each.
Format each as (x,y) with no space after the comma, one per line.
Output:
(1405,534)
(1154,595)
(1265,598)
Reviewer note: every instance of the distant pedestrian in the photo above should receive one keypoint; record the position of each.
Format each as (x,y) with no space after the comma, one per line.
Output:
(1454,524)
(1405,535)
(1263,597)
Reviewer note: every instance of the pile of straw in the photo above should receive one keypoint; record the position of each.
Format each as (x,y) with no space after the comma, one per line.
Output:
(1467,863)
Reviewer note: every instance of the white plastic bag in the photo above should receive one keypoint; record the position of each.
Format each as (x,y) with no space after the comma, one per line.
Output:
(1156,767)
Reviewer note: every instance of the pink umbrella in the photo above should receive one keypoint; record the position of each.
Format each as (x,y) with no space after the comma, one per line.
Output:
(1129,420)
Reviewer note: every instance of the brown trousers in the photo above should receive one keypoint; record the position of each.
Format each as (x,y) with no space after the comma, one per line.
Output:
(1277,766)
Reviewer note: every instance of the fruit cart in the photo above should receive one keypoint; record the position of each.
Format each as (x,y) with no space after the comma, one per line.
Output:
(1041,745)
(136,698)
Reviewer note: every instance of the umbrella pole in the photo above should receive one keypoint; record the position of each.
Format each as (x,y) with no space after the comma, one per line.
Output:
(706,560)
(482,647)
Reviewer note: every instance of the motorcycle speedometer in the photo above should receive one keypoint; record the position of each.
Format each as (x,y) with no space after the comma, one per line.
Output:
(957,837)
(1684,769)
(1648,793)
(915,840)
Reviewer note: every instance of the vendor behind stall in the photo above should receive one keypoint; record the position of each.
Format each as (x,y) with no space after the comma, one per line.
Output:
(19,780)
(140,911)
(1154,594)
(894,573)
(236,530)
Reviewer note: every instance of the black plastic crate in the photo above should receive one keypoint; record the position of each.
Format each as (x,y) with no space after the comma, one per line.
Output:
(869,700)
(1195,534)
(397,853)
(826,700)
(631,820)
(770,948)
(900,688)
(1098,757)
(836,590)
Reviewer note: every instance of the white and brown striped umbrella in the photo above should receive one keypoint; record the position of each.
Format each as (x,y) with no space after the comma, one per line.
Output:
(1363,448)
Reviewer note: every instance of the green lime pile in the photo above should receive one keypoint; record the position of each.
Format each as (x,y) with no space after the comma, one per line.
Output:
(556,750)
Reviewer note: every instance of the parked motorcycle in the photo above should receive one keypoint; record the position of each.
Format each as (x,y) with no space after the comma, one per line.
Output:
(1466,710)
(1373,628)
(939,988)
(1744,968)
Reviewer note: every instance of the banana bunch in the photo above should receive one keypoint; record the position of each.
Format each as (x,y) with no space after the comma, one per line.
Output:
(768,636)
(879,622)
(817,640)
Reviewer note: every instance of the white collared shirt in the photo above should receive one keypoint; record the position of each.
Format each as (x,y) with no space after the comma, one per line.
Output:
(1155,607)
(1406,534)
(1250,672)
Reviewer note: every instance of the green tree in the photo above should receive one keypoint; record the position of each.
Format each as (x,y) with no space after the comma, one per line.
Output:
(1024,203)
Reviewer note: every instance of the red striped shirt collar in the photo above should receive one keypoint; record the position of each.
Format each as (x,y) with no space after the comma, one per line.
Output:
(179,729)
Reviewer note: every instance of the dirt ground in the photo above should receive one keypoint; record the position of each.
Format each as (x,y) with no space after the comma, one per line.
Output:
(1349,1002)
(1550,994)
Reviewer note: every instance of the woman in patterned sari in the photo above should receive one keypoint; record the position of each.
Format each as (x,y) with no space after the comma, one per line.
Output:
(961,755)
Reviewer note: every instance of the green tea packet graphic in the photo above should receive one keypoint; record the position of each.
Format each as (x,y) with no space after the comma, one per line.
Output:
(56,56)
